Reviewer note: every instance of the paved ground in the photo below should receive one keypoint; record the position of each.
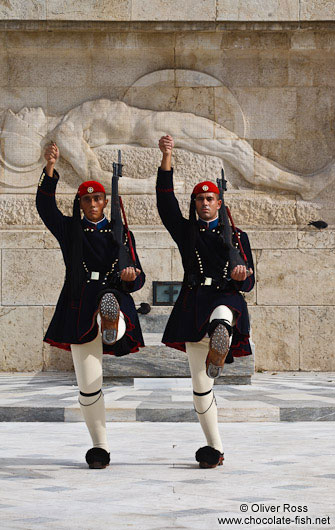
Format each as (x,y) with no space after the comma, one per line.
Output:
(292,396)
(153,481)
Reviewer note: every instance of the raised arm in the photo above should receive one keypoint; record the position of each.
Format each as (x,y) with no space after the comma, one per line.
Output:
(167,204)
(46,205)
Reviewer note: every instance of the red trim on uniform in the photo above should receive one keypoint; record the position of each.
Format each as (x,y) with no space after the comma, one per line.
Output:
(62,345)
(176,345)
(46,193)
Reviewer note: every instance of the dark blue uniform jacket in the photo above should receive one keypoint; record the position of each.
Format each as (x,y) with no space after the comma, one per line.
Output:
(189,319)
(75,322)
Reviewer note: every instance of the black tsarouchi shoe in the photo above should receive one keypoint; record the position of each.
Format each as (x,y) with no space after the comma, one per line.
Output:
(97,458)
(209,457)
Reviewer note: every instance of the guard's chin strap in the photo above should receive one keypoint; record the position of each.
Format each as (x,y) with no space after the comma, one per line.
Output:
(90,395)
(200,394)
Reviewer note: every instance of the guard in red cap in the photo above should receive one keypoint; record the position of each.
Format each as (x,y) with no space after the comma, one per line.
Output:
(210,318)
(95,312)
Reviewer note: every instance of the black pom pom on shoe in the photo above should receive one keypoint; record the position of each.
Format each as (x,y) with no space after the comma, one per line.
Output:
(97,458)
(209,457)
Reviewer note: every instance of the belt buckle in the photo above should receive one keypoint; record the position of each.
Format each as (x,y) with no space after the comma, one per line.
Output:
(208,281)
(95,275)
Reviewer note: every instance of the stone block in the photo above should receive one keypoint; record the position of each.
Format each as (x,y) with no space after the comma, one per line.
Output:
(262,209)
(22,331)
(303,155)
(325,39)
(314,107)
(313,238)
(33,277)
(4,70)
(50,241)
(273,239)
(228,112)
(248,208)
(49,39)
(308,211)
(323,68)
(15,98)
(103,10)
(317,350)
(173,10)
(275,332)
(156,264)
(320,10)
(152,237)
(21,239)
(162,99)
(198,40)
(197,100)
(29,68)
(54,358)
(108,65)
(258,10)
(141,210)
(133,39)
(20,210)
(296,277)
(269,112)
(273,68)
(138,162)
(300,69)
(61,101)
(263,40)
(18,10)
(303,40)
(238,68)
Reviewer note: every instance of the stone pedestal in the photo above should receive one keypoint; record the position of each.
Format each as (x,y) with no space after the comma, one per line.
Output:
(260,72)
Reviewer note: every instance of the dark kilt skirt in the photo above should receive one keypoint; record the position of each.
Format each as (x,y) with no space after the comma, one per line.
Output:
(189,319)
(76,323)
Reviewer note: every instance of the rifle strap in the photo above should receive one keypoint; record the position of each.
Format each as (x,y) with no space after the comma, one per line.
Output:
(237,236)
(131,248)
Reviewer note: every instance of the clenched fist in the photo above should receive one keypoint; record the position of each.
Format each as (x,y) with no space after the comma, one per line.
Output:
(129,274)
(51,153)
(240,273)
(166,144)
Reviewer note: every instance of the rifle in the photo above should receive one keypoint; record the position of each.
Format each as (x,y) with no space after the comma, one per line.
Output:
(236,256)
(127,256)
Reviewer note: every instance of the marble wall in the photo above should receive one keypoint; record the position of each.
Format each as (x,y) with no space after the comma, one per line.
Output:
(270,84)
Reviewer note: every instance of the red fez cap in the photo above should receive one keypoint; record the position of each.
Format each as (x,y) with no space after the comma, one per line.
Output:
(205,187)
(90,186)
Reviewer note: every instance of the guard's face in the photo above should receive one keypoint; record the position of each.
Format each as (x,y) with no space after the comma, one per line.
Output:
(93,205)
(207,205)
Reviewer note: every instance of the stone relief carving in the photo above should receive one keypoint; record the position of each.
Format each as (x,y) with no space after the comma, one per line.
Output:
(104,122)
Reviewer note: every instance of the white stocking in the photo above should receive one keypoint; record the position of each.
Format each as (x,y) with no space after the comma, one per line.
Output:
(87,360)
(205,405)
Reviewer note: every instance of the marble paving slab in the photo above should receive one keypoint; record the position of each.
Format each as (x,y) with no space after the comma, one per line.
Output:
(154,483)
(44,397)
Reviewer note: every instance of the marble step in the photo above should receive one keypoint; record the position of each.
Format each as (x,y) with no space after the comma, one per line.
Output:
(159,361)
(53,397)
